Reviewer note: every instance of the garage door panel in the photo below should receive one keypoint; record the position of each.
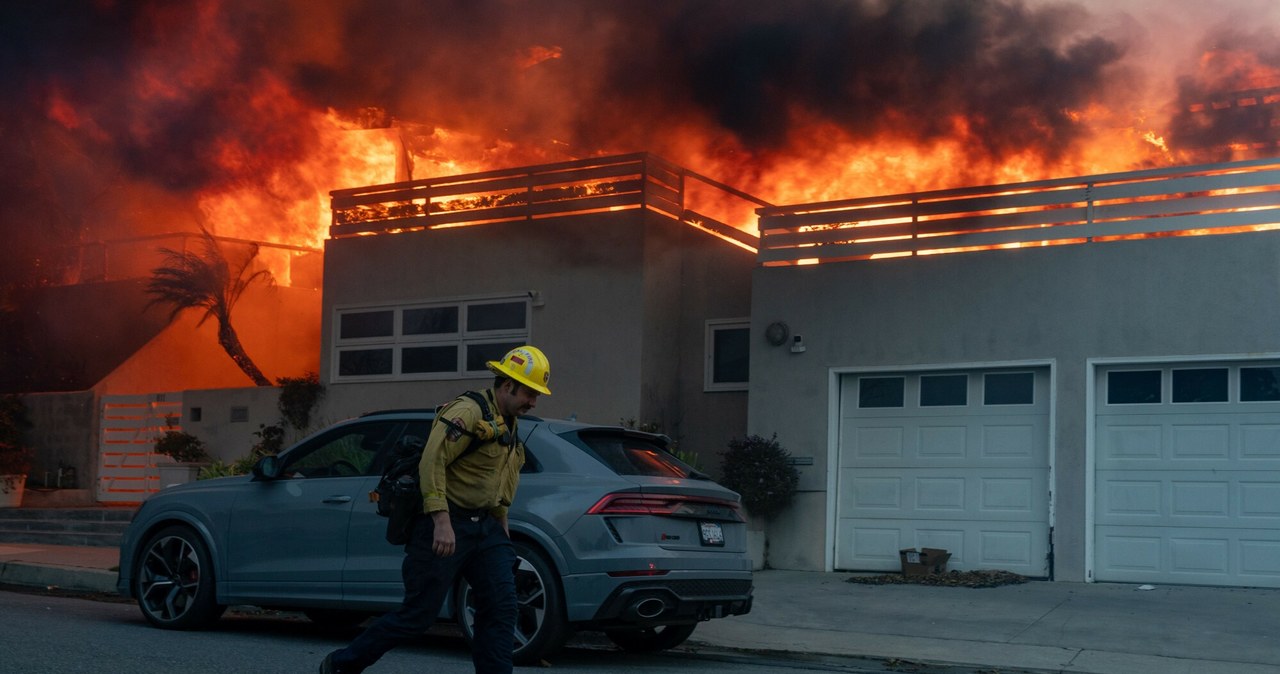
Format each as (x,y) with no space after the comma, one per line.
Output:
(1260,560)
(1188,493)
(1237,499)
(1003,440)
(1194,556)
(969,477)
(873,545)
(1260,500)
(980,494)
(878,442)
(1199,441)
(1260,441)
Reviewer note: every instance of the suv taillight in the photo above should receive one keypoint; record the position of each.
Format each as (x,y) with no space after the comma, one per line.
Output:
(672,505)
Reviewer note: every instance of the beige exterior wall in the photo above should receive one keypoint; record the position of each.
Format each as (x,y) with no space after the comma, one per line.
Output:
(624,297)
(1181,296)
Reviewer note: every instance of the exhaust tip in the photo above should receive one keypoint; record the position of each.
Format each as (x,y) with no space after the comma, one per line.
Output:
(651,607)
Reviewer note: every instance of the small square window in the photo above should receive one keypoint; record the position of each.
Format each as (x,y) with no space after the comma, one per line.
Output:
(239,414)
(944,390)
(421,359)
(496,316)
(881,391)
(1259,384)
(431,321)
(1008,388)
(732,356)
(1134,387)
(1200,385)
(728,357)
(195,414)
(361,362)
(366,324)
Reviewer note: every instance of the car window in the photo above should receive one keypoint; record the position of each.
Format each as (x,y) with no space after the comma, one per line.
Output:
(630,455)
(415,435)
(342,452)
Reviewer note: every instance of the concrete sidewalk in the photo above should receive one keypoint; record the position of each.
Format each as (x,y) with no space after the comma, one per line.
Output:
(1099,628)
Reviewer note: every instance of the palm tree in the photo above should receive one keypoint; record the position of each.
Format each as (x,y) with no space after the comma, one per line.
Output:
(205,281)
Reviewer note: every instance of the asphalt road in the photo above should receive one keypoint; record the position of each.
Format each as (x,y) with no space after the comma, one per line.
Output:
(64,634)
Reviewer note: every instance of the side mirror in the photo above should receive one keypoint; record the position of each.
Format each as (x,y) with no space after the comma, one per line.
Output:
(267,468)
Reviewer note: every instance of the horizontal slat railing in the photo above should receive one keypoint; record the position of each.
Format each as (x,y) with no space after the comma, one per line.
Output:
(1181,201)
(623,182)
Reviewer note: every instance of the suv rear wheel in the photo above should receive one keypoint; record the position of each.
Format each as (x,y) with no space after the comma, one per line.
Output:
(540,619)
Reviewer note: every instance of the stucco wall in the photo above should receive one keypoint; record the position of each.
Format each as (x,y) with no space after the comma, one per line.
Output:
(625,296)
(715,284)
(226,438)
(586,270)
(1159,297)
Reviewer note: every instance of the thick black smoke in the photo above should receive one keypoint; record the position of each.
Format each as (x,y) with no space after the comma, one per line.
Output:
(629,72)
(116,105)
(1233,101)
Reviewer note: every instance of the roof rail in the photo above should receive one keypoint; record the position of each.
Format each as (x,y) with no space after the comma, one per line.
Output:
(426,410)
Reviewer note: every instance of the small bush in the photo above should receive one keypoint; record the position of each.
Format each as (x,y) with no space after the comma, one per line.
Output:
(182,447)
(298,397)
(270,441)
(760,470)
(15,457)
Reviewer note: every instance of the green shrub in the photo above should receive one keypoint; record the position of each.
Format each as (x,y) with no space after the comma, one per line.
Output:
(298,397)
(760,470)
(15,457)
(182,447)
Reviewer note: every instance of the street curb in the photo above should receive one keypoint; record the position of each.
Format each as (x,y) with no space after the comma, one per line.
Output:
(67,578)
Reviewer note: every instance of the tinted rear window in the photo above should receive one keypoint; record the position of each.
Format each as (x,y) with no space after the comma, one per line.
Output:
(632,455)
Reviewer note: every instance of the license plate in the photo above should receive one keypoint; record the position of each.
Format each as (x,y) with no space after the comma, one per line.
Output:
(712,533)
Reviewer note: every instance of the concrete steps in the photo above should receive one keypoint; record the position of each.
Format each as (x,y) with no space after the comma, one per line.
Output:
(102,526)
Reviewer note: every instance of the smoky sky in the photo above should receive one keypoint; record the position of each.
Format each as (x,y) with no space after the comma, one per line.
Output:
(758,72)
(105,95)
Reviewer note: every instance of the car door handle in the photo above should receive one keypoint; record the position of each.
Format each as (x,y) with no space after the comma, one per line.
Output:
(338,499)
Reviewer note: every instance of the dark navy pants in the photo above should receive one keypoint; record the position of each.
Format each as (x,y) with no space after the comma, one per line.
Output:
(483,556)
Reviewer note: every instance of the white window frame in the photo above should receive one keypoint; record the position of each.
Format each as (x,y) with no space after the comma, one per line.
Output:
(712,327)
(398,341)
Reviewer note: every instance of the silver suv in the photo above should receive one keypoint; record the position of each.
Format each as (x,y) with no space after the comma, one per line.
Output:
(613,534)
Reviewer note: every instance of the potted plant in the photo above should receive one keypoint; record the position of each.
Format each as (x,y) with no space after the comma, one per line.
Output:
(760,470)
(189,455)
(15,457)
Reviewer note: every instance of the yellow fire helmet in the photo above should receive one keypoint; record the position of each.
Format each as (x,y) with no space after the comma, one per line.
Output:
(527,365)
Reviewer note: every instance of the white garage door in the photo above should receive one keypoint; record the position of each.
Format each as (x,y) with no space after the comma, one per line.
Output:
(954,460)
(1187,474)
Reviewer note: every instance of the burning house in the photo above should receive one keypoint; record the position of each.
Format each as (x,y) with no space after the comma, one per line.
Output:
(999,275)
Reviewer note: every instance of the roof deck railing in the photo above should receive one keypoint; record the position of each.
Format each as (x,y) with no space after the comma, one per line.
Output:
(1208,199)
(602,184)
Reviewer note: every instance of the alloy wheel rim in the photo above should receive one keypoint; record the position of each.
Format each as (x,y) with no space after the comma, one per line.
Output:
(169,578)
(531,604)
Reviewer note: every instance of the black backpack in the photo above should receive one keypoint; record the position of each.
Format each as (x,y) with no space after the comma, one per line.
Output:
(398,495)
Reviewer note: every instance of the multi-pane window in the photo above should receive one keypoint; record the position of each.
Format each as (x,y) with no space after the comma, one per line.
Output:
(944,390)
(728,350)
(881,391)
(436,340)
(1133,387)
(1008,388)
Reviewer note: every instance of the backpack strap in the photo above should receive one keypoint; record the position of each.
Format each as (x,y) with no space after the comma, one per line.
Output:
(485,411)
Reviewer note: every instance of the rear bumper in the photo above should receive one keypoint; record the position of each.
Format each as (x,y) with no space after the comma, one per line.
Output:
(648,603)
